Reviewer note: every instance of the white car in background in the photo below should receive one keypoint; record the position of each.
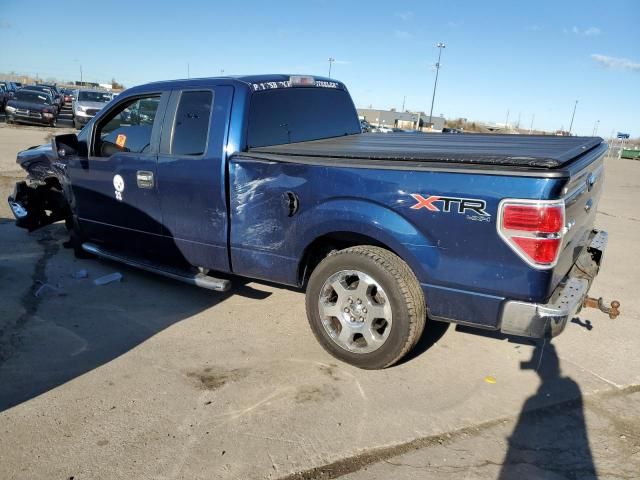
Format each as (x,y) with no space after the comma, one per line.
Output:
(86,104)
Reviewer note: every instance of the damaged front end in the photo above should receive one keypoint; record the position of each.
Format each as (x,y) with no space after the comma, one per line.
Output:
(40,200)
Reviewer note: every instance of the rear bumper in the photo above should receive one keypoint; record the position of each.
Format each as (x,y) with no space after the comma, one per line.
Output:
(548,320)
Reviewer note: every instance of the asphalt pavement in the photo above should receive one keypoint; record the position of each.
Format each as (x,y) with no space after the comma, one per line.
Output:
(152,379)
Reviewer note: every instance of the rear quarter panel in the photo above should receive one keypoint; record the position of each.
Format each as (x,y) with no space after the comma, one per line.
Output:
(465,269)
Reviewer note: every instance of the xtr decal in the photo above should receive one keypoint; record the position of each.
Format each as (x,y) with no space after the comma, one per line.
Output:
(474,208)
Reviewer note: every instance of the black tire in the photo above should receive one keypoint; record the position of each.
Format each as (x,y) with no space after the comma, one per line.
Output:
(402,291)
(53,123)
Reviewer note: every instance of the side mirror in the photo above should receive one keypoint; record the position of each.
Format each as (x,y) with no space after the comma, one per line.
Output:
(65,145)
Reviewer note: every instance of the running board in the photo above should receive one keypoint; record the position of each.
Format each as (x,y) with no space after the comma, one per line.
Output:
(198,279)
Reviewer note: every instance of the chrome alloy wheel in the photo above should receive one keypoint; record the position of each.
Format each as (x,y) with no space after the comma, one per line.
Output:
(355,311)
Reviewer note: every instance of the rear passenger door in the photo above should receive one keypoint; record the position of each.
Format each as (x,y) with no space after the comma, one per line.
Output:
(192,176)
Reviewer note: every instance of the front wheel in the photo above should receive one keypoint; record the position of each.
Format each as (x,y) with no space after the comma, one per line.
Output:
(365,306)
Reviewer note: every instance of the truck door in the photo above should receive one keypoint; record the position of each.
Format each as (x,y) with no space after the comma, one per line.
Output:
(114,188)
(192,176)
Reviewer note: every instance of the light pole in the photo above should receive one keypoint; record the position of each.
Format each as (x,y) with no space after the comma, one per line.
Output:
(573,115)
(533,116)
(440,46)
(595,128)
(331,60)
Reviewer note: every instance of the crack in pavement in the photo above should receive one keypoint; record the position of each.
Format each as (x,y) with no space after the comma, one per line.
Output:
(10,335)
(357,462)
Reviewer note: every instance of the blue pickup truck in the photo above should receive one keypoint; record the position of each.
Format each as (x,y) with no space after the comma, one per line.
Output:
(270,177)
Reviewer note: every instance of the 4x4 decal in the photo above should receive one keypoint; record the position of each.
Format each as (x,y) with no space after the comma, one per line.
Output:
(435,203)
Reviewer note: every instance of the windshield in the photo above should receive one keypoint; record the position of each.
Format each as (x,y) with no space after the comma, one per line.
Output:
(31,97)
(101,97)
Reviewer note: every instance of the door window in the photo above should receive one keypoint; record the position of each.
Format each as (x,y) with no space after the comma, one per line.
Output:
(191,127)
(128,128)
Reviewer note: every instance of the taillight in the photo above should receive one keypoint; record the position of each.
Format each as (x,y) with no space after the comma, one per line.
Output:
(533,229)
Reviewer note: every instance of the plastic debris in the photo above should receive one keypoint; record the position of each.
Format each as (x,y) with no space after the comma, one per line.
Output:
(80,274)
(112,277)
(44,287)
(490,379)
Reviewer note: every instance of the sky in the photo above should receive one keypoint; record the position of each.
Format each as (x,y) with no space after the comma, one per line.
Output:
(531,59)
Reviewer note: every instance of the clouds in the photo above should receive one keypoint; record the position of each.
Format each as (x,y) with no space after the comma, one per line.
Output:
(4,24)
(587,32)
(616,63)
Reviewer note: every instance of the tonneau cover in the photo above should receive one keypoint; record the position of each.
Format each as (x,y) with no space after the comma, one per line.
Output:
(537,151)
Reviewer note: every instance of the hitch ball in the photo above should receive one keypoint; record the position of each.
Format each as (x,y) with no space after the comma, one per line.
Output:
(612,310)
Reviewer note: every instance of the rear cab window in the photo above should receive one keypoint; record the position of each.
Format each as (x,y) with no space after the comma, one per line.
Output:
(300,114)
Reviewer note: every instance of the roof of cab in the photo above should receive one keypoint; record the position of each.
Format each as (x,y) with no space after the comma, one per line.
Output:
(245,80)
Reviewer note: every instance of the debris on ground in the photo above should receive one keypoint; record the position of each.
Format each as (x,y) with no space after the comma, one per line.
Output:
(112,277)
(80,274)
(44,287)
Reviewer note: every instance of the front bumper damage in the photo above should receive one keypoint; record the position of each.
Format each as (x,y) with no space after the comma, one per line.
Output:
(548,320)
(38,204)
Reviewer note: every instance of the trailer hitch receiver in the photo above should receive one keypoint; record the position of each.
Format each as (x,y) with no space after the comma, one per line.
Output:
(612,310)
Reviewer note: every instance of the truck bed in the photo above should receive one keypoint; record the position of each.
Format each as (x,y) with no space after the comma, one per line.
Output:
(529,151)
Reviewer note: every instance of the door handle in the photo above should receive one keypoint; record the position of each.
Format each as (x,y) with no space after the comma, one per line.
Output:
(144,179)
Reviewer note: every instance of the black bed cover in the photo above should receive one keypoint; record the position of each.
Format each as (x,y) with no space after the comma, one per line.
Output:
(532,151)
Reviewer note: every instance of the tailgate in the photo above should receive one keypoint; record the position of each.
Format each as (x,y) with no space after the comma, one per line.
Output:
(582,194)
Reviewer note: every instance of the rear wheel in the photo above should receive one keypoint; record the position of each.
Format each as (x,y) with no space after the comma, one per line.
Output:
(365,306)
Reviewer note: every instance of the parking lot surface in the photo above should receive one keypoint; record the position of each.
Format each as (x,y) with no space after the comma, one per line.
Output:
(149,378)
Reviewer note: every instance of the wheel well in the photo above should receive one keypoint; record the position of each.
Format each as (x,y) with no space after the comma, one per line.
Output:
(322,246)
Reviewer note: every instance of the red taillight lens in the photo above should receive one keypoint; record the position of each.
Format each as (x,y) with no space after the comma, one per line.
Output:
(533,229)
(540,250)
(533,218)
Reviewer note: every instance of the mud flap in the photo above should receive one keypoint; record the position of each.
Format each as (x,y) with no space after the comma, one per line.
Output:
(38,205)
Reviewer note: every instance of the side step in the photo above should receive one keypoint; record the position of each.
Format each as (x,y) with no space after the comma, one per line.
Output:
(198,279)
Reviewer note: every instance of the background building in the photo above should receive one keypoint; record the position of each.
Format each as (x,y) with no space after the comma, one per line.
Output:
(405,120)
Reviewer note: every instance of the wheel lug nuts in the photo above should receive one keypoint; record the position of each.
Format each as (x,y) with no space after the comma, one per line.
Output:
(359,302)
(350,300)
(364,310)
(362,319)
(353,319)
(346,310)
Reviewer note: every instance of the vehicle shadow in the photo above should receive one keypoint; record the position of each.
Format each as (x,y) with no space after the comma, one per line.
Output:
(63,332)
(550,439)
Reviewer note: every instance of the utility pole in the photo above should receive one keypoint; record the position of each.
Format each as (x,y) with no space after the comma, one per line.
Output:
(403,100)
(440,46)
(331,60)
(518,124)
(595,128)
(572,116)
(81,74)
(506,123)
(531,127)
(188,72)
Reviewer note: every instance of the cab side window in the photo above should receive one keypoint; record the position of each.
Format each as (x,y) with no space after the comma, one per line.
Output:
(191,127)
(128,128)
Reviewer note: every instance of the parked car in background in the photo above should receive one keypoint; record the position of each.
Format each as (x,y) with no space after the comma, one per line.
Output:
(67,96)
(9,87)
(18,84)
(384,129)
(57,95)
(365,126)
(86,104)
(57,99)
(451,130)
(32,106)
(4,97)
